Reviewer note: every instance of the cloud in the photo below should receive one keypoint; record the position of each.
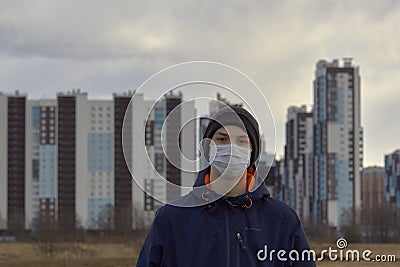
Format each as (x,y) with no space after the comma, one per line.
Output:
(101,47)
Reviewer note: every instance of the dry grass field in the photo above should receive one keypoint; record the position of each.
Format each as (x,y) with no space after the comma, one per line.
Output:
(124,254)
(67,254)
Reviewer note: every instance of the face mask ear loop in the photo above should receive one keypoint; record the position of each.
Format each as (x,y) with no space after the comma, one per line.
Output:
(212,152)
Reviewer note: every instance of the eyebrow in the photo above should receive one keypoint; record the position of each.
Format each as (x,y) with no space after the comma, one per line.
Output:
(221,133)
(225,134)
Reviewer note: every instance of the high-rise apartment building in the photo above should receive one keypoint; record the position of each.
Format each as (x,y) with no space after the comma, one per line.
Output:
(338,141)
(13,152)
(173,173)
(41,162)
(85,177)
(100,164)
(392,179)
(372,187)
(64,160)
(123,180)
(298,174)
(170,136)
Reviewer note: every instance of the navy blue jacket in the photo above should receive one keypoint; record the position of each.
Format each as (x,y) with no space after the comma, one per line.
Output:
(224,232)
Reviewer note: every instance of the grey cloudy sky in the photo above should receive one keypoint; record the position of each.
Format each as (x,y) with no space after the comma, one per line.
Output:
(108,46)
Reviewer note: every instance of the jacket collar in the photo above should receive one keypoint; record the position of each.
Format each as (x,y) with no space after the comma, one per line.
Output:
(245,200)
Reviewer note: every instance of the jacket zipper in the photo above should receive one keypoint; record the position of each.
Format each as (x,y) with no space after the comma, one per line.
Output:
(240,240)
(227,235)
(240,246)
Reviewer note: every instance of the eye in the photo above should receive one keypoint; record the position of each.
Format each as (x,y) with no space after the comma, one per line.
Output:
(243,141)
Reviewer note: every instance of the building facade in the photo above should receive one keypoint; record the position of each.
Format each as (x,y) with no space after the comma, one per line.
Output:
(13,152)
(338,141)
(64,159)
(372,187)
(392,178)
(298,169)
(41,167)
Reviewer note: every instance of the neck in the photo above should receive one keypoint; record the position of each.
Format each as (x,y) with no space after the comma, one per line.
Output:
(229,188)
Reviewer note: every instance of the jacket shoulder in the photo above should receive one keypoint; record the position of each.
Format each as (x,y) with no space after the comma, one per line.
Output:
(170,212)
(280,209)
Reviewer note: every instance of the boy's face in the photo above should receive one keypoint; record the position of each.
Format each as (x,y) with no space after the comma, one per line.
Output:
(232,134)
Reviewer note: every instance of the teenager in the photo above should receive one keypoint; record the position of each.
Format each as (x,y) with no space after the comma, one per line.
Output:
(230,219)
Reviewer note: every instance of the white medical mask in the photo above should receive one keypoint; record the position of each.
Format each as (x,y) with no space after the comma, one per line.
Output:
(230,160)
